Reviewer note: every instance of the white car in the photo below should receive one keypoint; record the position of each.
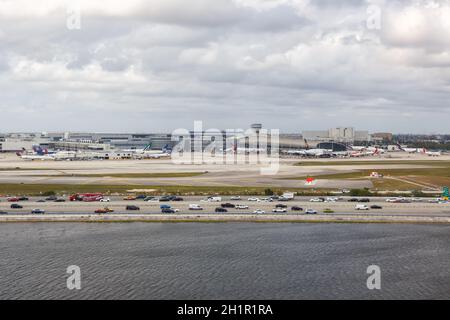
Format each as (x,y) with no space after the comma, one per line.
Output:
(316,200)
(241,206)
(266,200)
(252,199)
(311,211)
(105,200)
(153,200)
(279,210)
(361,207)
(259,211)
(195,207)
(235,198)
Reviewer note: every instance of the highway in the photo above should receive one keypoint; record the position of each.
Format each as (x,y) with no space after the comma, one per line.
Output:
(342,207)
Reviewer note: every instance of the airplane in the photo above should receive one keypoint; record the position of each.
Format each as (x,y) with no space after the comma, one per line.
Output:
(153,154)
(311,152)
(37,154)
(421,150)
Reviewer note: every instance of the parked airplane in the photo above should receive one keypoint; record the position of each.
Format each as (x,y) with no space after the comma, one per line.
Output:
(420,150)
(154,154)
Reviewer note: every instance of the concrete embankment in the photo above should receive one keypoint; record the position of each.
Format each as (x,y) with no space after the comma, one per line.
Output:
(225,218)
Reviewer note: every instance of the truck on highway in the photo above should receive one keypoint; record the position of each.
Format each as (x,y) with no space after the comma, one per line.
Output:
(87,197)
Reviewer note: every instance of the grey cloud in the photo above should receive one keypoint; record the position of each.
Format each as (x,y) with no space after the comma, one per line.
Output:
(159,66)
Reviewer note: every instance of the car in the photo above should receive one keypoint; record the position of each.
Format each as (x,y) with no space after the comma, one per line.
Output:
(295,208)
(353,200)
(279,210)
(177,199)
(165,206)
(252,199)
(60,200)
(364,200)
(104,210)
(141,197)
(16,206)
(153,199)
(311,211)
(13,199)
(51,198)
(266,200)
(283,199)
(132,208)
(241,206)
(23,199)
(105,200)
(165,199)
(375,206)
(227,205)
(3,212)
(129,198)
(235,198)
(317,200)
(259,211)
(149,198)
(281,205)
(40,200)
(220,209)
(37,211)
(167,210)
(195,207)
(361,207)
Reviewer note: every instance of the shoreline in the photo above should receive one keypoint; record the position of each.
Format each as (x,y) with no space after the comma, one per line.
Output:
(216,218)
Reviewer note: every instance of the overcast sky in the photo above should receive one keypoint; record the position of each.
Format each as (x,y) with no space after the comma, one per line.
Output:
(157,65)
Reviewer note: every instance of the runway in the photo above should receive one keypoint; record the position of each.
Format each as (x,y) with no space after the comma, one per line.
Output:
(15,170)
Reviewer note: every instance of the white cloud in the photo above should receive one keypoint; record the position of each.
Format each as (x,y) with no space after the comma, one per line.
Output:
(230,63)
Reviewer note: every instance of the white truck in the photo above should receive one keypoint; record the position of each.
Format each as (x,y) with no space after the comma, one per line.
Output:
(288,195)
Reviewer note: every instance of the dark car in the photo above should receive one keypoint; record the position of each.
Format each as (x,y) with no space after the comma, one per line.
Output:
(376,207)
(295,208)
(221,210)
(178,199)
(23,199)
(51,198)
(16,206)
(60,200)
(41,200)
(141,197)
(134,208)
(37,211)
(227,205)
(165,199)
(280,205)
(3,212)
(353,200)
(364,200)
(167,210)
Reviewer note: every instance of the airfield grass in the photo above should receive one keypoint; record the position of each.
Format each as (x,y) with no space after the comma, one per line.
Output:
(40,189)
(130,175)
(405,178)
(443,163)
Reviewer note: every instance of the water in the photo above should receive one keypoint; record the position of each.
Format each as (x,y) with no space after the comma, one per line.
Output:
(224,261)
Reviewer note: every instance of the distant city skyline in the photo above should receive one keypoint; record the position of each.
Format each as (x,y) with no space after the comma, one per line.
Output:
(294,65)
